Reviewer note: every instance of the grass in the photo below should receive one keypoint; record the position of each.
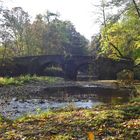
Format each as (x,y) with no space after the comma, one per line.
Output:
(4,81)
(116,122)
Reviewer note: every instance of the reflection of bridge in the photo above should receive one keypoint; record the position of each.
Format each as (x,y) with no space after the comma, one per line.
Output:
(102,68)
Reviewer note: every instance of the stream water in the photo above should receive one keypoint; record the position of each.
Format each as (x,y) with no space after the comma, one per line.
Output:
(15,108)
(76,97)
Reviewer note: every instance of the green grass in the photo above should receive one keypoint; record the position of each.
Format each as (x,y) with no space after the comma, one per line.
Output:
(135,99)
(4,81)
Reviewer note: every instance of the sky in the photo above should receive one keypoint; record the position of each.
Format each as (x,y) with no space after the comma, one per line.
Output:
(79,12)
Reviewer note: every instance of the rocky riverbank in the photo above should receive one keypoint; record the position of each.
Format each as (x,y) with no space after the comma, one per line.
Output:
(18,100)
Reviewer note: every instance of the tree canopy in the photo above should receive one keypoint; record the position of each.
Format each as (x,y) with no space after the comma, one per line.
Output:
(47,34)
(119,36)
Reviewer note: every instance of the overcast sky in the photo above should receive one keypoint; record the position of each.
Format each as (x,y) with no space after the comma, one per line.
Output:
(79,12)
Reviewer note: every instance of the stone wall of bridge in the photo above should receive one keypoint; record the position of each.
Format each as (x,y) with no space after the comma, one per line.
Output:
(102,68)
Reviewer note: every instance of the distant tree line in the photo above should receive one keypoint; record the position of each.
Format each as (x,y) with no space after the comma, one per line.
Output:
(119,35)
(47,34)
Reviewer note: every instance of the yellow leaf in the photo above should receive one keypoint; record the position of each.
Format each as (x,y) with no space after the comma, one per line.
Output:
(91,136)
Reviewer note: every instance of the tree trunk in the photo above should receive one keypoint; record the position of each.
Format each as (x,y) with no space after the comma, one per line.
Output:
(3,55)
(137,8)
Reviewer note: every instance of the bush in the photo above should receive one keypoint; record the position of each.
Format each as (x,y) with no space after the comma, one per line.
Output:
(25,79)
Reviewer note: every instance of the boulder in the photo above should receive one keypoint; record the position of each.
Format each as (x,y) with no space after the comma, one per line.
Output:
(137,72)
(125,75)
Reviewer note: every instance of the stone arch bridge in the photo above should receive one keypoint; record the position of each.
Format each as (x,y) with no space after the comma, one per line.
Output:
(102,68)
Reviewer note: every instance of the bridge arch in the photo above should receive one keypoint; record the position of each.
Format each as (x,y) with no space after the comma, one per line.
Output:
(51,68)
(85,71)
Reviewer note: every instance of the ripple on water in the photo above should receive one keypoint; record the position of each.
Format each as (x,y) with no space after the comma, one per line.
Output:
(14,107)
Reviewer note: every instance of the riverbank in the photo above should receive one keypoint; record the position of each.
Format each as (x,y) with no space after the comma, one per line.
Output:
(23,95)
(106,122)
(28,87)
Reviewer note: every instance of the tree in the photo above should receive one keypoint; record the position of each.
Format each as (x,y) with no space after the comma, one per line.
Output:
(124,35)
(51,16)
(6,44)
(46,35)
(62,38)
(38,29)
(119,30)
(137,8)
(94,47)
(16,21)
